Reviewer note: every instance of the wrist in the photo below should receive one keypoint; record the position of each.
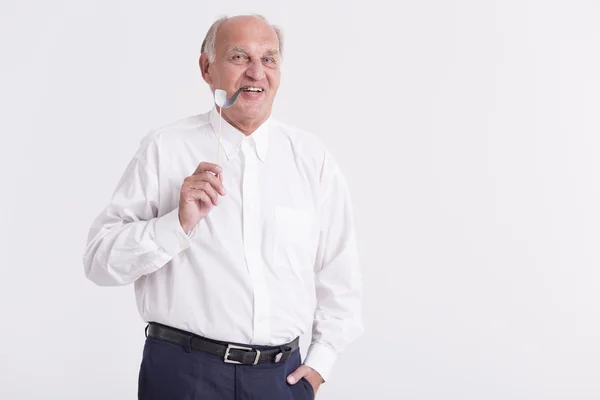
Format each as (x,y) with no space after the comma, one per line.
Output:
(186,227)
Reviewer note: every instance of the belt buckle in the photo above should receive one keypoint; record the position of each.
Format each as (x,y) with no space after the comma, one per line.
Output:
(231,346)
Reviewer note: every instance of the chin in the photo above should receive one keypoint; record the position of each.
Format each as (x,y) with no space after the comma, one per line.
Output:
(253,112)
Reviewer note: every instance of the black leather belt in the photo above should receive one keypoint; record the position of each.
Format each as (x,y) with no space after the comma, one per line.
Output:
(230,353)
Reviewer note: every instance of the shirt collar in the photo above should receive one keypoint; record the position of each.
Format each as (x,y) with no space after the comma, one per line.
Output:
(232,139)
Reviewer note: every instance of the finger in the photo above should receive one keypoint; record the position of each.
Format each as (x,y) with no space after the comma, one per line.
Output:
(209,190)
(298,374)
(212,193)
(197,194)
(215,182)
(206,166)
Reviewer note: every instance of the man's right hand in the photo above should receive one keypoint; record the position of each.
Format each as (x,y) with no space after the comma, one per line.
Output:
(199,194)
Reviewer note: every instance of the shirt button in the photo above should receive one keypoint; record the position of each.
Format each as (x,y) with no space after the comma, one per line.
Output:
(182,245)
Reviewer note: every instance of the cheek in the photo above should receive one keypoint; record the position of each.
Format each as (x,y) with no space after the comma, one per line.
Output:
(228,76)
(273,77)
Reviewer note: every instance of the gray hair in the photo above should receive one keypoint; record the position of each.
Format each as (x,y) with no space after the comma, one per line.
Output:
(208,44)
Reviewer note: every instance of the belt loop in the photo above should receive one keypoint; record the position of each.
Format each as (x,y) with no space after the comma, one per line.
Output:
(282,355)
(146,330)
(188,347)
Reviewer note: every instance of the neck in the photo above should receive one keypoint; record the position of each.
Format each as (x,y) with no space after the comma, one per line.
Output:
(245,125)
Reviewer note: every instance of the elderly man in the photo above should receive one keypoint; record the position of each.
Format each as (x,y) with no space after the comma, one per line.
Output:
(237,232)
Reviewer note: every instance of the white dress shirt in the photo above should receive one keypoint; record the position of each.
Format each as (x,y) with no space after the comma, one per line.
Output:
(275,256)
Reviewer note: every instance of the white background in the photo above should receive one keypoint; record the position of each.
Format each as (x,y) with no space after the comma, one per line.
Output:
(468,132)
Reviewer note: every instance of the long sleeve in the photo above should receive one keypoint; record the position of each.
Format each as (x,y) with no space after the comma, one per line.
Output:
(338,314)
(128,239)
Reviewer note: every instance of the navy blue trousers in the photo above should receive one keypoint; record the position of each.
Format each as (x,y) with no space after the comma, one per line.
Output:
(172,372)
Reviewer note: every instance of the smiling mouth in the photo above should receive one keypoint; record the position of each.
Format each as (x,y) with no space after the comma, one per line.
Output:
(252,89)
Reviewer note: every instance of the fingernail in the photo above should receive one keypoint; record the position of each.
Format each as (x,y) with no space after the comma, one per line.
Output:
(291,380)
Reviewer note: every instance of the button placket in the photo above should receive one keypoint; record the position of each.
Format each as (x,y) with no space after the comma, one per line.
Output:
(252,243)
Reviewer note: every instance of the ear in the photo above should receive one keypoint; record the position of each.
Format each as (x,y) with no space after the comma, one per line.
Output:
(204,64)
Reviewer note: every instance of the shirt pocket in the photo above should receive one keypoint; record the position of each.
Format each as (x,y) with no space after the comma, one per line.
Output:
(293,230)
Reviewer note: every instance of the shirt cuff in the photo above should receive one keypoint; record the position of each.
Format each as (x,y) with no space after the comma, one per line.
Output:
(170,235)
(321,358)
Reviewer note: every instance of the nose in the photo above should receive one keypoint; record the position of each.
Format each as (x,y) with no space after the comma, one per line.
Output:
(255,70)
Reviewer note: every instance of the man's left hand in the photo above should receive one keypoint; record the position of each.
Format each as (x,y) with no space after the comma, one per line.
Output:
(304,371)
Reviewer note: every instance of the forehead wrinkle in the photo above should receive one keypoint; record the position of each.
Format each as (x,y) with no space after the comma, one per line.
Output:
(264,48)
(238,48)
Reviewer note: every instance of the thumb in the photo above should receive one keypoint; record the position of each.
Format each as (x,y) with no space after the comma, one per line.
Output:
(298,374)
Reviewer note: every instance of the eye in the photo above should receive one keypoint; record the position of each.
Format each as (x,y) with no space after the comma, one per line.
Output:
(239,57)
(269,60)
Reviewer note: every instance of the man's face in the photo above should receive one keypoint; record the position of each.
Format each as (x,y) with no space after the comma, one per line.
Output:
(246,55)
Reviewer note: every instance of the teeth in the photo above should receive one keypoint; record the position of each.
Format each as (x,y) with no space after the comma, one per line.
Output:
(252,89)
